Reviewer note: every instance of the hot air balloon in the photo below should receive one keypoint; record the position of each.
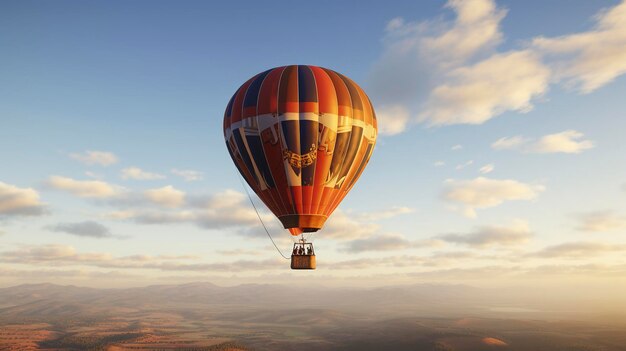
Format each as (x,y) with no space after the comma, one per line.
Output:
(300,136)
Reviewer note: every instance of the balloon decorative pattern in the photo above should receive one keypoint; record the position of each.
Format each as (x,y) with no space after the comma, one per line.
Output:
(300,136)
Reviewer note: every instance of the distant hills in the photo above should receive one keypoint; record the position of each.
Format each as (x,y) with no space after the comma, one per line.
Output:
(402,300)
(43,299)
(267,317)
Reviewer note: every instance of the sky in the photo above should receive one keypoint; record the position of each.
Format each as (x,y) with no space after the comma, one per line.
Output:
(499,163)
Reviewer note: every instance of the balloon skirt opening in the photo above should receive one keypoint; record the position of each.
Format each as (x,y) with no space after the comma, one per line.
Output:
(303,262)
(308,222)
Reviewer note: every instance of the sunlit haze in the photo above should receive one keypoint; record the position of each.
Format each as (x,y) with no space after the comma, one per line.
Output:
(500,161)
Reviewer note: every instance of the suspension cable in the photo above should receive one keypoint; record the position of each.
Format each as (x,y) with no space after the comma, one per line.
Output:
(261,220)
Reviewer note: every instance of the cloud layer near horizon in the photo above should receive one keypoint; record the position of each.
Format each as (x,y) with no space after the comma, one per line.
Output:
(481,192)
(16,201)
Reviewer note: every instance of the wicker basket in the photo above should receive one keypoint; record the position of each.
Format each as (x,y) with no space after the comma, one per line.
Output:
(302,261)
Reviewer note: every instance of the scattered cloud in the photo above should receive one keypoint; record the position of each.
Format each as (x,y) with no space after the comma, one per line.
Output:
(154,216)
(568,141)
(483,192)
(392,119)
(15,201)
(62,255)
(478,273)
(453,64)
(47,253)
(84,188)
(139,174)
(601,221)
(382,242)
(516,233)
(475,94)
(475,29)
(439,164)
(509,142)
(588,60)
(463,165)
(343,226)
(240,252)
(166,196)
(456,147)
(89,229)
(27,276)
(166,205)
(393,211)
(445,72)
(369,262)
(101,158)
(488,168)
(188,174)
(387,242)
(578,249)
(414,50)
(224,209)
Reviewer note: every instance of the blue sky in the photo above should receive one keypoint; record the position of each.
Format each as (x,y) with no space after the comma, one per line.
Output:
(144,85)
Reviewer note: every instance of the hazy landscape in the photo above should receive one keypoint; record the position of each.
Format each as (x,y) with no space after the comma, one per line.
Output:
(203,316)
(459,166)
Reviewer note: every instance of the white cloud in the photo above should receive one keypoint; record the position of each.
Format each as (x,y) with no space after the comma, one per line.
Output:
(449,72)
(418,54)
(591,59)
(155,216)
(483,192)
(383,242)
(46,253)
(578,249)
(224,199)
(343,226)
(565,142)
(61,255)
(516,233)
(475,30)
(188,174)
(392,119)
(236,215)
(15,201)
(226,209)
(568,141)
(166,196)
(388,242)
(488,168)
(601,221)
(139,174)
(373,262)
(509,142)
(456,147)
(463,165)
(474,94)
(444,72)
(102,158)
(439,164)
(241,252)
(84,188)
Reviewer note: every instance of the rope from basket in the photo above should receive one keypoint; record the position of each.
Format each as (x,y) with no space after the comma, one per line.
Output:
(261,220)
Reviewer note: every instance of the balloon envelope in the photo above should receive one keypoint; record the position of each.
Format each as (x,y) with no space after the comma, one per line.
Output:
(301,137)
